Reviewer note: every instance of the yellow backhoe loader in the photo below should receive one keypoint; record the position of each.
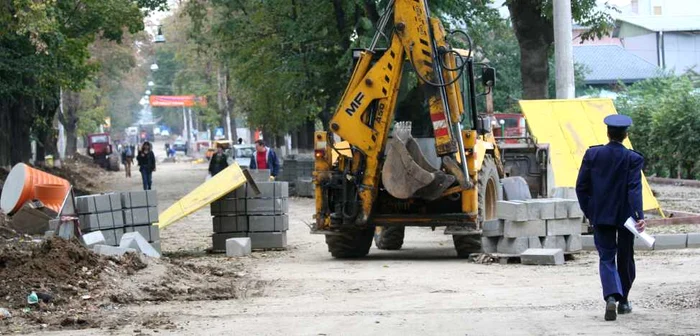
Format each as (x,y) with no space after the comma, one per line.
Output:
(406,145)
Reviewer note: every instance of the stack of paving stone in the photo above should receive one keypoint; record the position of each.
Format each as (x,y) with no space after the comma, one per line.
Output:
(547,223)
(140,212)
(261,217)
(101,212)
(115,214)
(298,171)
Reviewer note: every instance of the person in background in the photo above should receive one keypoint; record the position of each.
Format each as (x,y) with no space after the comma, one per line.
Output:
(265,158)
(609,191)
(240,141)
(128,158)
(219,161)
(147,164)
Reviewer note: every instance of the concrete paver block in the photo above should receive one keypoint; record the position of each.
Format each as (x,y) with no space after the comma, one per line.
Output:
(107,250)
(266,206)
(138,199)
(561,208)
(219,240)
(542,257)
(152,215)
(512,245)
(563,226)
(565,193)
(694,240)
(108,202)
(514,211)
(85,204)
(93,238)
(640,246)
(111,236)
(139,216)
(152,198)
(530,228)
(489,244)
(67,230)
(268,240)
(230,224)
(154,234)
(267,190)
(238,247)
(136,241)
(588,243)
(118,234)
(105,220)
(546,206)
(268,223)
(554,242)
(534,242)
(143,230)
(89,222)
(260,175)
(492,228)
(575,210)
(573,243)
(670,241)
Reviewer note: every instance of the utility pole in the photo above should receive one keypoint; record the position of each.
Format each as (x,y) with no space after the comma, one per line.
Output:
(563,52)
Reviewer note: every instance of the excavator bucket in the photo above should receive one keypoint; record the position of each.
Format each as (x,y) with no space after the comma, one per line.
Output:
(407,173)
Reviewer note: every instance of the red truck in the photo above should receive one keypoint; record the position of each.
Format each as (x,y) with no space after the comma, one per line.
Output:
(509,127)
(99,147)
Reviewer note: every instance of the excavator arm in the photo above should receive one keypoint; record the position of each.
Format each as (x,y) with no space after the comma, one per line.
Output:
(366,112)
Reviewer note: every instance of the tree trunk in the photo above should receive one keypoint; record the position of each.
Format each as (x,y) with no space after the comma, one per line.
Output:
(69,119)
(306,135)
(535,34)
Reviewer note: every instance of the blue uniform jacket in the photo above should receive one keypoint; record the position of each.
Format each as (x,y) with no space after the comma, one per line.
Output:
(609,184)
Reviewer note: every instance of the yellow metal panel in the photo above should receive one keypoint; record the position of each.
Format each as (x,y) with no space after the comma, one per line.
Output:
(570,126)
(221,184)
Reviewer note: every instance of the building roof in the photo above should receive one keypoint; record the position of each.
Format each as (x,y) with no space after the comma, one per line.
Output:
(657,23)
(608,64)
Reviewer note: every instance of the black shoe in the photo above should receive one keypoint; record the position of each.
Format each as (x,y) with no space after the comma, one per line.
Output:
(610,309)
(624,308)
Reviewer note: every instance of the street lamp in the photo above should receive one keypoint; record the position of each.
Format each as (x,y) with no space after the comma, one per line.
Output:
(150,83)
(154,67)
(148,92)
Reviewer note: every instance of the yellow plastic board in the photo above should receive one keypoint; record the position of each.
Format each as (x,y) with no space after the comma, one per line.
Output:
(221,184)
(570,126)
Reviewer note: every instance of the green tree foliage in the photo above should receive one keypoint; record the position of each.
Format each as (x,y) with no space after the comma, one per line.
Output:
(44,46)
(666,125)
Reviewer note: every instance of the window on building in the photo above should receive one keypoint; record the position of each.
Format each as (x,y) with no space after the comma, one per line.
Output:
(634,5)
(657,10)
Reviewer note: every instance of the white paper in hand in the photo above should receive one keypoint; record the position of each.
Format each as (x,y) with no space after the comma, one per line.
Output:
(631,225)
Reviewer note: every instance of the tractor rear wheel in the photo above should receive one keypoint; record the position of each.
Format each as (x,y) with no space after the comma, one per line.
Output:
(489,185)
(114,163)
(350,243)
(389,237)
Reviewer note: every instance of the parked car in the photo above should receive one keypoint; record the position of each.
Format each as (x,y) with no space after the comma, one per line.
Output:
(180,146)
(243,154)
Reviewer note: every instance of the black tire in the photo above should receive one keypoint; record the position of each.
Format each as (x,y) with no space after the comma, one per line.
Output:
(114,163)
(353,243)
(389,237)
(490,192)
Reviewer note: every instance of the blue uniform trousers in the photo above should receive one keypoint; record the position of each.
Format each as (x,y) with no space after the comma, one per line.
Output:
(615,241)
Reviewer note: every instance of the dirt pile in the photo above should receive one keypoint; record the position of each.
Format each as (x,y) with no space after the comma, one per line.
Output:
(80,289)
(61,269)
(81,172)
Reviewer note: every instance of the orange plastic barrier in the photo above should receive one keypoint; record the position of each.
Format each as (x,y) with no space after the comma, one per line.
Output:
(20,183)
(52,195)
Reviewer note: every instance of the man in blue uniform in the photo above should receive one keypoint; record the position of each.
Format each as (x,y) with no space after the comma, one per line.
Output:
(609,190)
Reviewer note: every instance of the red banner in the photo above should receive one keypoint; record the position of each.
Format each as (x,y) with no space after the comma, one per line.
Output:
(177,101)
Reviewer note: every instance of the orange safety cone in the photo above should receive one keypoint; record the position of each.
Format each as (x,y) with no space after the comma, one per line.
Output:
(20,183)
(52,195)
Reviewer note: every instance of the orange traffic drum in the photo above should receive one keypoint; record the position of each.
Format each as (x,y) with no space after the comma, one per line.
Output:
(20,184)
(51,195)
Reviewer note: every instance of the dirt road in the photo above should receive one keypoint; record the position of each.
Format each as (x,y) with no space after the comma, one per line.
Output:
(421,290)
